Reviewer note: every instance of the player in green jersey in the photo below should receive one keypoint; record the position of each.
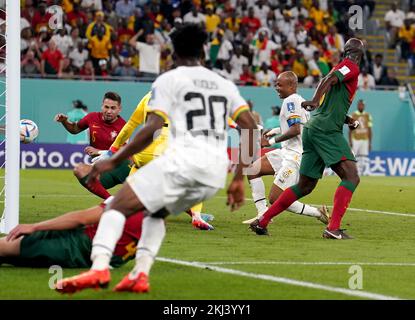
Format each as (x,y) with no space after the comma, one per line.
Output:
(324,144)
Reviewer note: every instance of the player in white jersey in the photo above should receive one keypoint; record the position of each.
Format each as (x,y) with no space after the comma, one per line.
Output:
(283,163)
(193,168)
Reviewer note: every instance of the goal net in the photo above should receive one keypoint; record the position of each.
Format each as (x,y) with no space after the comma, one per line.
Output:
(9,113)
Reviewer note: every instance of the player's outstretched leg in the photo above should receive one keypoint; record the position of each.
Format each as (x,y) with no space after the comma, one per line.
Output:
(200,221)
(150,242)
(347,171)
(286,199)
(81,172)
(109,231)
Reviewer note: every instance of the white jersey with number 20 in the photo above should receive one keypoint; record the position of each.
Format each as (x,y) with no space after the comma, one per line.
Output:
(197,102)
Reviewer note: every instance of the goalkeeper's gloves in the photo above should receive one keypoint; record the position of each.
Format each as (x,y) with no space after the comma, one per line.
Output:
(103,155)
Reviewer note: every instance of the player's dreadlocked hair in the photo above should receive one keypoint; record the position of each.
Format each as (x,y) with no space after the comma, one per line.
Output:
(188,40)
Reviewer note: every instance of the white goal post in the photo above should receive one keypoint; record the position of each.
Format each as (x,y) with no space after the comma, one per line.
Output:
(10,217)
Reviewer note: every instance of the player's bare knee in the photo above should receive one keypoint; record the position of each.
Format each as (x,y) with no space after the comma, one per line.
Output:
(81,170)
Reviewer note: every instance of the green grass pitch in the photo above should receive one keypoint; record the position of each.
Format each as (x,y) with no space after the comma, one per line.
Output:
(383,246)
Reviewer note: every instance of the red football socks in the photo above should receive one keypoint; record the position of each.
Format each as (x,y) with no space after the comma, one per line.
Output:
(95,187)
(342,199)
(283,202)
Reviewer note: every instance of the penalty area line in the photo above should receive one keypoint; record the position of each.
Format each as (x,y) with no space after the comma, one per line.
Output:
(313,263)
(288,281)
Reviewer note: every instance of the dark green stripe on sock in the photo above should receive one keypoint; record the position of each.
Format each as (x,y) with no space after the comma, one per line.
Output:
(348,185)
(297,191)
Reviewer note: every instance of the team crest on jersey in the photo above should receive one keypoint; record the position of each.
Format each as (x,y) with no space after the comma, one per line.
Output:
(114,134)
(285,175)
(291,107)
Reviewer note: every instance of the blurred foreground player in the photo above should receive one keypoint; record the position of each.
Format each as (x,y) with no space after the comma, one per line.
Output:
(324,144)
(192,169)
(66,241)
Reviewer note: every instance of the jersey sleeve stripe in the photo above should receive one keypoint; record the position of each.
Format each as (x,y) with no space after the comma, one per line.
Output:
(239,111)
(160,113)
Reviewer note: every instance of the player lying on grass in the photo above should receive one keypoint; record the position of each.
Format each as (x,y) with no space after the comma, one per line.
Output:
(284,163)
(324,144)
(191,170)
(66,241)
(103,128)
(154,150)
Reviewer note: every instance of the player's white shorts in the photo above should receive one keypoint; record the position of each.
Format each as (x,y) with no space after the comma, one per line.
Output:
(360,147)
(286,165)
(164,183)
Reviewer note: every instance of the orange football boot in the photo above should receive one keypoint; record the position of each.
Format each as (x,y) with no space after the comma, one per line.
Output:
(139,284)
(94,279)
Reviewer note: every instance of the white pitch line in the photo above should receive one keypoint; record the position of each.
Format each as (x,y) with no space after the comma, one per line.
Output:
(355,209)
(311,263)
(220,197)
(293,282)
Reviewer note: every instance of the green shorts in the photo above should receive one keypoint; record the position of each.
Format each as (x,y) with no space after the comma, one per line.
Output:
(117,176)
(66,248)
(322,150)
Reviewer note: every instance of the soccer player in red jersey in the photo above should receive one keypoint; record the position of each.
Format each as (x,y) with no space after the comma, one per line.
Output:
(66,241)
(324,144)
(103,128)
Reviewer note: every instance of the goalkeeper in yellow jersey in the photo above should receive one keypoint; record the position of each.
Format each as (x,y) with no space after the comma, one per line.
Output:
(155,149)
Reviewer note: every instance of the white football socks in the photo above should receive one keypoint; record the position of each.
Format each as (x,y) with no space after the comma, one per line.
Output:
(304,209)
(150,242)
(258,194)
(109,231)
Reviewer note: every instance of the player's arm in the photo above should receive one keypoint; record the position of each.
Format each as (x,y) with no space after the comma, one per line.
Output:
(293,131)
(247,151)
(70,126)
(67,221)
(143,139)
(323,87)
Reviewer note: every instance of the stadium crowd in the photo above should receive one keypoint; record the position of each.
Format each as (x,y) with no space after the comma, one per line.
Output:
(250,41)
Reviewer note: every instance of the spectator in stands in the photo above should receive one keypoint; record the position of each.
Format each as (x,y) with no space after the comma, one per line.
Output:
(29,10)
(195,16)
(30,64)
(265,77)
(247,77)
(233,22)
(91,5)
(252,22)
(390,79)
(334,40)
(100,46)
(321,63)
(299,66)
(377,69)
(262,48)
(124,8)
(149,53)
(52,60)
(298,10)
(211,18)
(166,60)
(76,15)
(411,14)
(78,56)
(162,33)
(63,41)
(406,35)
(220,50)
(394,20)
(87,72)
(125,70)
(312,79)
(366,81)
(261,10)
(41,17)
(307,49)
(103,71)
(238,60)
(98,27)
(286,25)
(229,73)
